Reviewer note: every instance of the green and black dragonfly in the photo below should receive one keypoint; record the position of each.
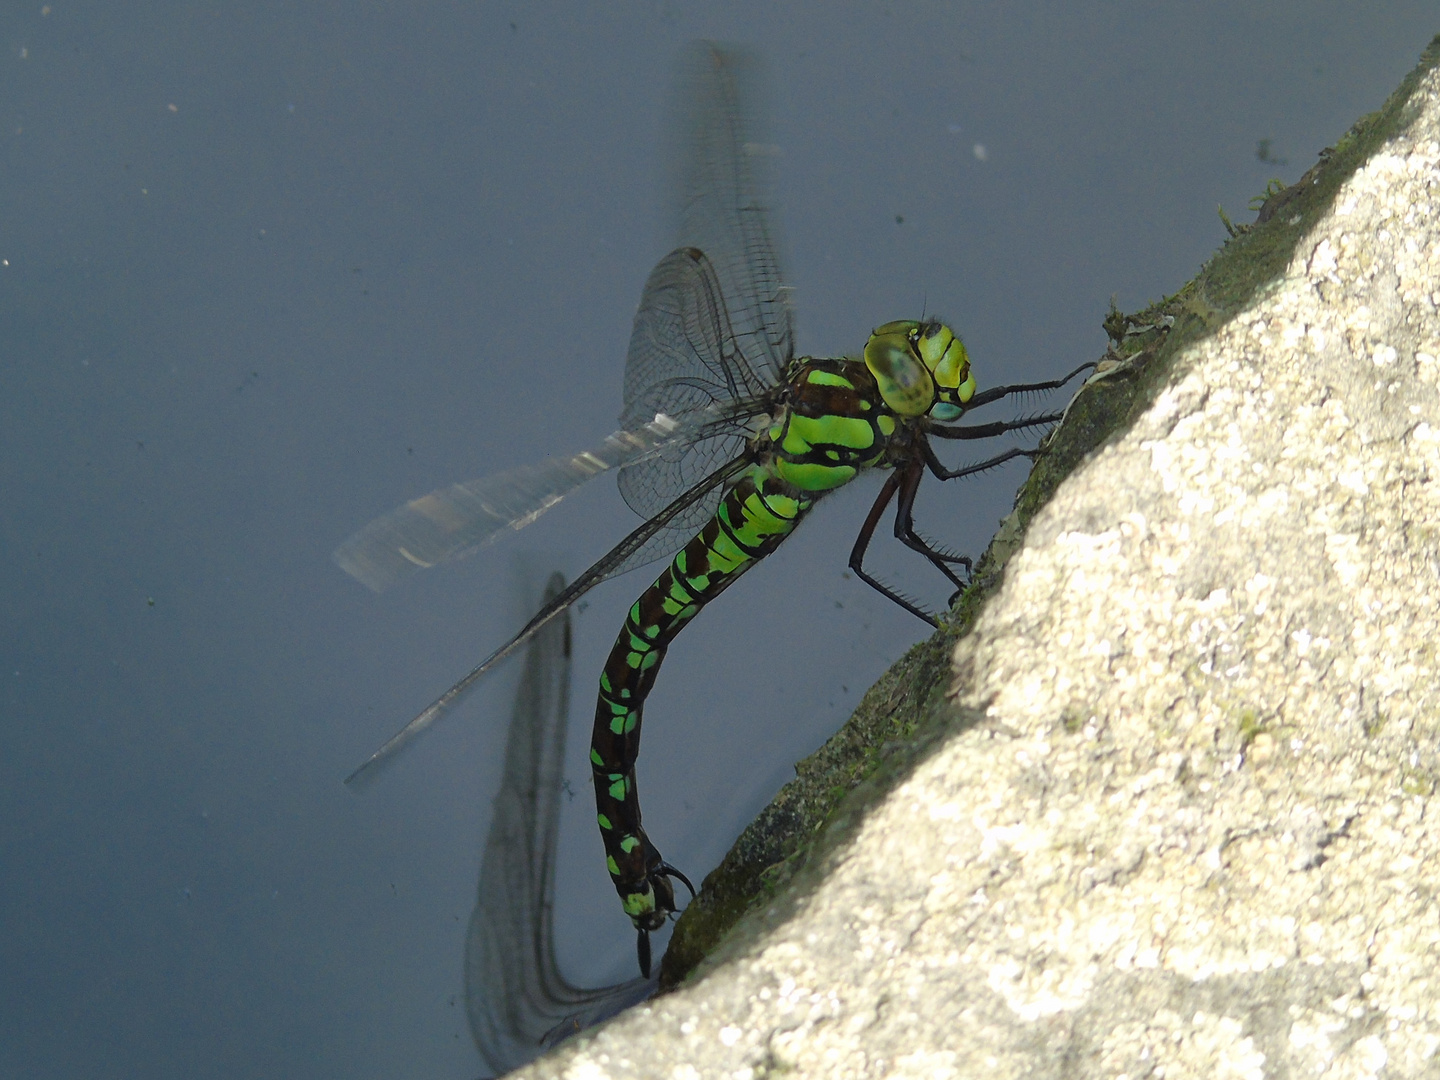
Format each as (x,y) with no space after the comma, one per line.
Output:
(727,441)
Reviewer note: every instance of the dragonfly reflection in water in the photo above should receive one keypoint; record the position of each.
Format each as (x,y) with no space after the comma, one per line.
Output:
(517,1001)
(728,440)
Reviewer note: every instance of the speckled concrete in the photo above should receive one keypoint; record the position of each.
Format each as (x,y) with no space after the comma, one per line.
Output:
(1194,831)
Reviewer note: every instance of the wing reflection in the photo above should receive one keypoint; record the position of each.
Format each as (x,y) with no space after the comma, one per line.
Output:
(517,1001)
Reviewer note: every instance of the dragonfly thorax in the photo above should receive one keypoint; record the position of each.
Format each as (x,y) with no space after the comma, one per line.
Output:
(832,423)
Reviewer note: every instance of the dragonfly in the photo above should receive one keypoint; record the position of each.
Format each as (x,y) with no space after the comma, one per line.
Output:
(727,441)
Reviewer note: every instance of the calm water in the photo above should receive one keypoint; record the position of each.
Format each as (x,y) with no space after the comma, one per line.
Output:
(271,268)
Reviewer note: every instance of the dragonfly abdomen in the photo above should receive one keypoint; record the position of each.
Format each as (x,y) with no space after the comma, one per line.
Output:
(754,516)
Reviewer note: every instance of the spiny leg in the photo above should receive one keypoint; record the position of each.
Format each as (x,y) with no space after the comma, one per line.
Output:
(995,393)
(906,534)
(907,482)
(989,431)
(904,523)
(942,473)
(862,542)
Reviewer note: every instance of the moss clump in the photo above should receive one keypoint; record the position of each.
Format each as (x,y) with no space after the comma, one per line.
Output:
(1421,784)
(1250,725)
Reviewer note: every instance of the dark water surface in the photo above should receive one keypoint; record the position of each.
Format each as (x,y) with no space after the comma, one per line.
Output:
(271,268)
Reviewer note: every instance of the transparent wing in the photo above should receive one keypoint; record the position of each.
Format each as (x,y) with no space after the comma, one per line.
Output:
(715,322)
(459,520)
(711,341)
(683,330)
(723,199)
(619,556)
(516,999)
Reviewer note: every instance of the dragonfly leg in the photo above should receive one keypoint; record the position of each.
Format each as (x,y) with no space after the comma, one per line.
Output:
(938,468)
(941,472)
(995,393)
(906,534)
(862,542)
(989,431)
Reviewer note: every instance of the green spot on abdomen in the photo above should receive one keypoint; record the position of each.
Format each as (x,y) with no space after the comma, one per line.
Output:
(623,725)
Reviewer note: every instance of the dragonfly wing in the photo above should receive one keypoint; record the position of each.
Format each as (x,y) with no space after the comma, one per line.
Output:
(715,323)
(673,536)
(723,197)
(607,566)
(683,328)
(459,520)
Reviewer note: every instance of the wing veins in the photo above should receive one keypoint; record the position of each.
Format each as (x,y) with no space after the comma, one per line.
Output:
(458,520)
(602,569)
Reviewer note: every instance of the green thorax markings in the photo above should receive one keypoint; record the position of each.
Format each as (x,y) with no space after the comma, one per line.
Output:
(834,423)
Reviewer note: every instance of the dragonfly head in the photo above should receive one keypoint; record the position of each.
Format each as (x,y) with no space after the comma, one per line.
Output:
(922,369)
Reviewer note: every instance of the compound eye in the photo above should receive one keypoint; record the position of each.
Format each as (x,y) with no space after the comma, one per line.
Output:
(905,383)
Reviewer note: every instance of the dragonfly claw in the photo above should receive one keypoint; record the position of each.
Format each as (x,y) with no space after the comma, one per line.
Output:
(664,869)
(659,876)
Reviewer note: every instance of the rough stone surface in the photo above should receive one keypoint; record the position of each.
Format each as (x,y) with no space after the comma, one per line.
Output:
(1193,829)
